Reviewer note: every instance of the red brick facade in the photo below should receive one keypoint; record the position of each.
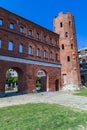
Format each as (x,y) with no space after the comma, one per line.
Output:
(27,47)
(70,73)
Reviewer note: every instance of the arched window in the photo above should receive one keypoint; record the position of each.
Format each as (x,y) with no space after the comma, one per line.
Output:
(37,35)
(45,53)
(44,38)
(51,55)
(56,57)
(66,34)
(30,50)
(0,43)
(37,52)
(68,58)
(20,48)
(62,46)
(1,22)
(30,32)
(21,29)
(10,46)
(50,40)
(11,26)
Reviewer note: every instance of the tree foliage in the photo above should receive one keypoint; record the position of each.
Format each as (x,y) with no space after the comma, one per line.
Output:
(10,79)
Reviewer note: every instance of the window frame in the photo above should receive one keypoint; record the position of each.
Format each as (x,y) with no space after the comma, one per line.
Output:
(68,58)
(63,47)
(0,43)
(21,48)
(1,22)
(71,45)
(44,38)
(37,36)
(51,55)
(66,34)
(10,46)
(30,32)
(61,24)
(56,56)
(45,54)
(37,52)
(30,50)
(11,26)
(21,29)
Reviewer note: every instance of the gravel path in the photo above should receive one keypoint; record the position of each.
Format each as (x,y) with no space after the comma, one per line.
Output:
(67,99)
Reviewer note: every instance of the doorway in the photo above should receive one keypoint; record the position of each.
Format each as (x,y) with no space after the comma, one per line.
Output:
(57,85)
(41,79)
(11,84)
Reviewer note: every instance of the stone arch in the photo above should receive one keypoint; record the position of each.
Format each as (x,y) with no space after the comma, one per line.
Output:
(41,80)
(20,77)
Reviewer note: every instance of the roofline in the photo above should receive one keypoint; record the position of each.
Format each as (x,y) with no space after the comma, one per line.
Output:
(82,49)
(28,20)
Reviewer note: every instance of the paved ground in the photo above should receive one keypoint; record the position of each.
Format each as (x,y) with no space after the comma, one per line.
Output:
(67,99)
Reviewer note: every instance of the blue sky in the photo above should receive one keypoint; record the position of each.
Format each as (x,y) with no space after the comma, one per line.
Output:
(42,12)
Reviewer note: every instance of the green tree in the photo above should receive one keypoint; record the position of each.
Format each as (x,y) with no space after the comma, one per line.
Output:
(15,80)
(38,82)
(8,77)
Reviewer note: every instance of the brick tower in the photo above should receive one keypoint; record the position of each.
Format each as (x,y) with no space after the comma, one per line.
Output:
(70,72)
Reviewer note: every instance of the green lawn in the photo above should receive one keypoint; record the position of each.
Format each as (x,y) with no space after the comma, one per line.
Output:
(82,92)
(42,117)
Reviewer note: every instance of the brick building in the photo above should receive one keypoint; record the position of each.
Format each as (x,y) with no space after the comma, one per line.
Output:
(82,54)
(29,48)
(64,25)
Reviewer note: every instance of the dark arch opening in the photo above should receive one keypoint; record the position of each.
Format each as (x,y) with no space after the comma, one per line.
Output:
(13,81)
(57,85)
(41,79)
(11,85)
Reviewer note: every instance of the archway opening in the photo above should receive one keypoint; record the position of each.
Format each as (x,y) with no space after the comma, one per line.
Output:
(41,79)
(57,85)
(11,84)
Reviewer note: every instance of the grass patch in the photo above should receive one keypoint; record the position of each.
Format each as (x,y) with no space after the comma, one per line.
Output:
(42,117)
(82,92)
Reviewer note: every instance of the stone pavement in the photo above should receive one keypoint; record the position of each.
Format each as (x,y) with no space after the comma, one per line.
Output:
(62,98)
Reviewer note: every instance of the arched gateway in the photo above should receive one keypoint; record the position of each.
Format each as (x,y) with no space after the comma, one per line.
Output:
(41,80)
(27,75)
(27,48)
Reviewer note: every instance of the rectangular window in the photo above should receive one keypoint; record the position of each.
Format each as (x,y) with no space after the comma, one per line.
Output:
(1,22)
(62,46)
(61,25)
(71,46)
(68,58)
